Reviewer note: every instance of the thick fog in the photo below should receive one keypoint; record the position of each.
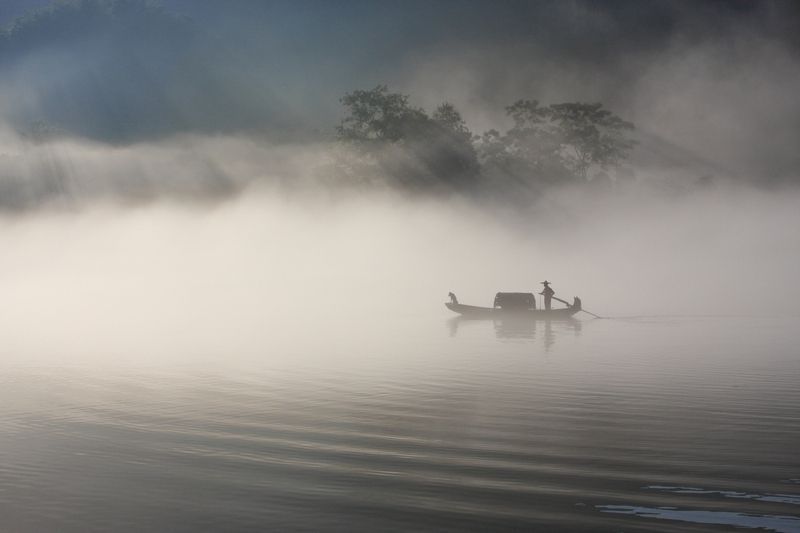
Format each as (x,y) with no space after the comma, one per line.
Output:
(186,214)
(263,270)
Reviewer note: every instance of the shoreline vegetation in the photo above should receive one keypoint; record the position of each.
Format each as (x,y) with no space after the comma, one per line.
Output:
(570,143)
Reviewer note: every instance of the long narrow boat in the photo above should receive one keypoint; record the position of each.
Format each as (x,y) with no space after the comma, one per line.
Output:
(514,304)
(473,311)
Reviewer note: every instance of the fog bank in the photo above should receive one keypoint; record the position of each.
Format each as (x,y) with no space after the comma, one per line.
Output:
(261,272)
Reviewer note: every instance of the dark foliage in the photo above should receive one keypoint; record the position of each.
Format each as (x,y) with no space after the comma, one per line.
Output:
(415,149)
(555,144)
(546,146)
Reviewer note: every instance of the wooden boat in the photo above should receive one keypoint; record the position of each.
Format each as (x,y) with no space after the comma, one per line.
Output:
(514,304)
(474,311)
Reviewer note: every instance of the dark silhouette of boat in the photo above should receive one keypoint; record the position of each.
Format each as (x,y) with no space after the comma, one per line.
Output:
(514,304)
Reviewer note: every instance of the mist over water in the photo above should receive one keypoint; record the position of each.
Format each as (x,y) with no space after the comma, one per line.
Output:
(171,276)
(288,363)
(208,323)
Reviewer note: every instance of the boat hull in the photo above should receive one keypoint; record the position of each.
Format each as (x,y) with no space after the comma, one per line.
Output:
(473,311)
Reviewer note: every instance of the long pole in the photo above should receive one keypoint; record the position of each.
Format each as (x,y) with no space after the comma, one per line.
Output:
(570,305)
(562,301)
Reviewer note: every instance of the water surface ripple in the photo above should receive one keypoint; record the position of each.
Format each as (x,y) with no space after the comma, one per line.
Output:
(628,425)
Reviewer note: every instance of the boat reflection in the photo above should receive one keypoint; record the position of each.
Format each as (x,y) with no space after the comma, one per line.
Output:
(522,328)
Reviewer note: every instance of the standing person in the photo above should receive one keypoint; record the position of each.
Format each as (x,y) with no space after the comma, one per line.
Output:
(548,294)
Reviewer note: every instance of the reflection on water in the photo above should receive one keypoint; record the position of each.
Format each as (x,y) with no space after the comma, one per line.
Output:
(604,425)
(521,328)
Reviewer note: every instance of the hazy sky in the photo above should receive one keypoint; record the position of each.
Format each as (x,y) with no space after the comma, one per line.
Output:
(711,82)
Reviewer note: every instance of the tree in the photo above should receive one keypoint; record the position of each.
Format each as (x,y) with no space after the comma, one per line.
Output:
(456,157)
(556,143)
(591,135)
(448,117)
(528,155)
(412,148)
(378,116)
(535,139)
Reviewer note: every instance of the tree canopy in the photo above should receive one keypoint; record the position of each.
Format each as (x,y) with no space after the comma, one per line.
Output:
(590,135)
(546,146)
(413,147)
(378,115)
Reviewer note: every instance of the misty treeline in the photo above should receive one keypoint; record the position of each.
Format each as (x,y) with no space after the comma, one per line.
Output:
(546,146)
(128,99)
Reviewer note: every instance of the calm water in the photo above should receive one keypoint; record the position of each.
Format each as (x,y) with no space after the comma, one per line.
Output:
(660,424)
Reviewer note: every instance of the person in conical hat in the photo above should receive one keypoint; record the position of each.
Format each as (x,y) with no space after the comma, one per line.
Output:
(548,294)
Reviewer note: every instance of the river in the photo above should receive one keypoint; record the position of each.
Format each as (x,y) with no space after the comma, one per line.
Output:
(416,423)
